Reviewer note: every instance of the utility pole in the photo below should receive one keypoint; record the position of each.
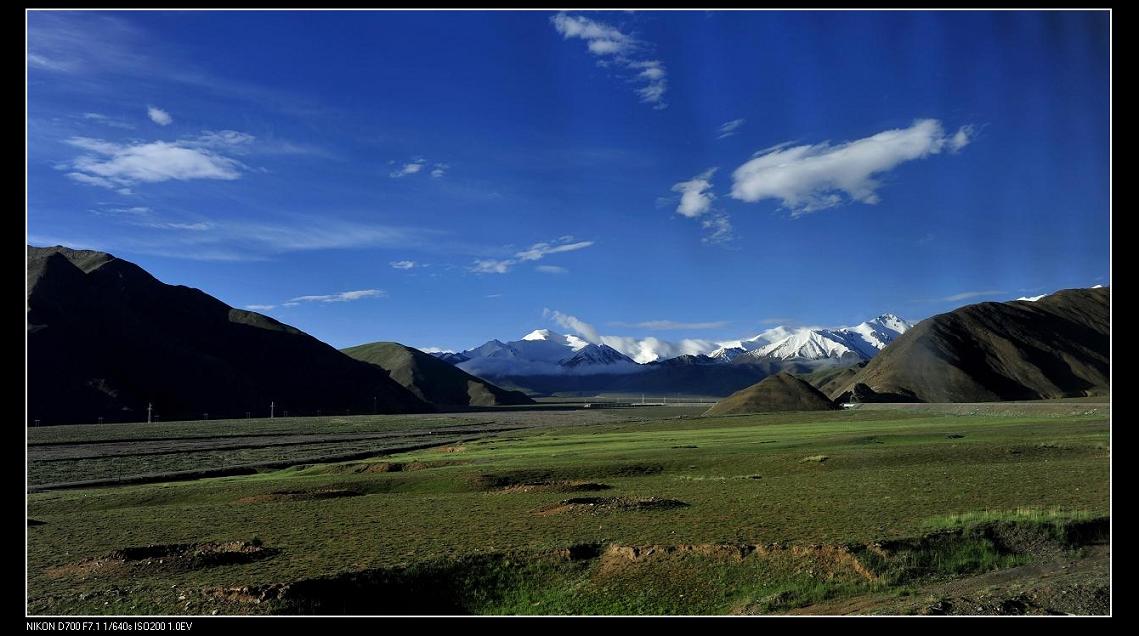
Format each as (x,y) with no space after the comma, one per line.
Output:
(272,405)
(100,419)
(149,408)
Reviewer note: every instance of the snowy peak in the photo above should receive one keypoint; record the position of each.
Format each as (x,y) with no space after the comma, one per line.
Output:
(542,334)
(807,344)
(597,355)
(860,342)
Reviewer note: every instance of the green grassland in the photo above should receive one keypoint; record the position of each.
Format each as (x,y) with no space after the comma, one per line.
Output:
(548,519)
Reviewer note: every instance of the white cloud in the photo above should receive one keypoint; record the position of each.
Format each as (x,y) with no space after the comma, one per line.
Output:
(260,307)
(494,295)
(491,266)
(719,229)
(535,252)
(551,269)
(727,129)
(435,350)
(193,227)
(100,118)
(601,38)
(580,327)
(119,166)
(138,210)
(961,138)
(695,198)
(233,240)
(409,168)
(620,49)
(541,250)
(439,170)
(340,297)
(967,295)
(645,350)
(403,264)
(159,116)
(660,325)
(221,139)
(809,178)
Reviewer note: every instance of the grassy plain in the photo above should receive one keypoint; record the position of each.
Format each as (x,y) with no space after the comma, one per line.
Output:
(585,514)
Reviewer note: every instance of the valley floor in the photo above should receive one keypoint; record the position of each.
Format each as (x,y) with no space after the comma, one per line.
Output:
(576,512)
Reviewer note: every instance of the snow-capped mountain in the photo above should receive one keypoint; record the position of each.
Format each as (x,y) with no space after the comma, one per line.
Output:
(598,355)
(545,352)
(860,342)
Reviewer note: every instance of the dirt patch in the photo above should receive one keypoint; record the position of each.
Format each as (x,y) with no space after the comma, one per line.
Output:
(451,449)
(179,557)
(555,486)
(602,505)
(824,562)
(814,459)
(299,495)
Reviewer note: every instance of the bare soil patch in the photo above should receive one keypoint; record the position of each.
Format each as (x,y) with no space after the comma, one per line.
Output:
(174,557)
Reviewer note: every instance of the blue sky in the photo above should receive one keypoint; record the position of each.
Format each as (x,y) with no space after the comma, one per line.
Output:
(443,178)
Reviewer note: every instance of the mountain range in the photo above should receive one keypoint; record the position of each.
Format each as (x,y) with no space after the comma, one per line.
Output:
(106,341)
(544,361)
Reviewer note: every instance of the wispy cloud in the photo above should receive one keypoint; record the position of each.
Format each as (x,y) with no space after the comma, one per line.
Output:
(718,229)
(535,252)
(639,349)
(566,321)
(809,178)
(551,269)
(159,116)
(260,307)
(118,166)
(665,325)
(340,297)
(104,120)
(622,51)
(776,321)
(404,264)
(967,295)
(409,168)
(696,198)
(541,250)
(730,128)
(219,239)
(439,170)
(695,195)
(491,266)
(494,296)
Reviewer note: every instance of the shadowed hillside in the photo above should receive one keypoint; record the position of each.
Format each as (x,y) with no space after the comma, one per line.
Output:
(105,338)
(1055,347)
(434,380)
(779,392)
